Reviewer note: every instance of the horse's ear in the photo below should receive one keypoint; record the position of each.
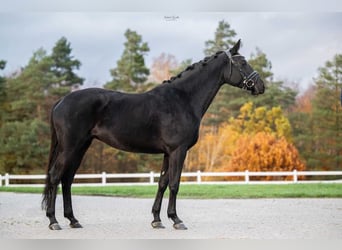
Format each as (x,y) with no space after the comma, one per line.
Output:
(235,48)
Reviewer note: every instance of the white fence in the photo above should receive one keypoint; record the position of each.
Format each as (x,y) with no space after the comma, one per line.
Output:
(152,178)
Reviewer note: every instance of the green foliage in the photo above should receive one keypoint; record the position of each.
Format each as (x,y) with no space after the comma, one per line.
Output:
(327,116)
(131,71)
(2,91)
(230,99)
(277,94)
(223,39)
(262,65)
(221,107)
(30,85)
(24,146)
(63,67)
(302,127)
(28,97)
(253,120)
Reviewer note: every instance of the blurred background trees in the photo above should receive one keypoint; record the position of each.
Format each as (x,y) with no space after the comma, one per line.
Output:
(131,71)
(280,130)
(28,97)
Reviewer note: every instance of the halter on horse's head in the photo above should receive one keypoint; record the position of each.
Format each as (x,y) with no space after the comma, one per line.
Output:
(241,74)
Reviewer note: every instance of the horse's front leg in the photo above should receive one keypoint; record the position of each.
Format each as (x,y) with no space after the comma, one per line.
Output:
(176,162)
(163,182)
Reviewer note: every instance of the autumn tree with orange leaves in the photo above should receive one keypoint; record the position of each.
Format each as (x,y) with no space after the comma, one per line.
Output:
(264,152)
(259,139)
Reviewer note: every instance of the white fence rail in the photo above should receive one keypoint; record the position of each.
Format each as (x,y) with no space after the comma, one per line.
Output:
(152,178)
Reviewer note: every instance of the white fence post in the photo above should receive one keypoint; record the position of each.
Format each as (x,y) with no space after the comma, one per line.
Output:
(104,180)
(295,176)
(0,180)
(7,179)
(151,177)
(247,176)
(199,177)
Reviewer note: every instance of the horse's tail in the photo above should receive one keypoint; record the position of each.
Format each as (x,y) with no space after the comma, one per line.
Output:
(48,190)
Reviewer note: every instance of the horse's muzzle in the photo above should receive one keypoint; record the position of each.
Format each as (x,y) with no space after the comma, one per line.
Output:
(258,88)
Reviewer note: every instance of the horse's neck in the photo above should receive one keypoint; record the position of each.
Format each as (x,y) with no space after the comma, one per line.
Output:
(203,86)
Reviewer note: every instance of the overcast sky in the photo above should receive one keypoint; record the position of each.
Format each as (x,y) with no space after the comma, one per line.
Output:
(296,43)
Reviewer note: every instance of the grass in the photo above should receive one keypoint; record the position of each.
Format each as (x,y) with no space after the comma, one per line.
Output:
(208,191)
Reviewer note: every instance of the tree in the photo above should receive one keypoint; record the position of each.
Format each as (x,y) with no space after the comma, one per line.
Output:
(252,120)
(264,152)
(2,91)
(217,148)
(302,126)
(218,110)
(27,91)
(223,39)
(327,116)
(24,129)
(24,146)
(163,67)
(265,141)
(131,71)
(230,99)
(277,93)
(29,95)
(63,67)
(304,101)
(213,150)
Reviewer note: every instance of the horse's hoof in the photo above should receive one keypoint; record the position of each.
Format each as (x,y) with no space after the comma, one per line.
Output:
(157,224)
(55,226)
(180,226)
(76,225)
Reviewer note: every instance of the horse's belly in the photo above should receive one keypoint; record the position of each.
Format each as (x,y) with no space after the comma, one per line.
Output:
(135,148)
(133,142)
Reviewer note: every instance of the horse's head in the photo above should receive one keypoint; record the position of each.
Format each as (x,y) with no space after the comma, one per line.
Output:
(241,74)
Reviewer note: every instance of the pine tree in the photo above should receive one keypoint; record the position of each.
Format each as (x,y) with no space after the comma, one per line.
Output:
(327,116)
(219,111)
(230,99)
(24,131)
(2,91)
(223,39)
(302,126)
(277,93)
(63,67)
(31,86)
(131,71)
(29,95)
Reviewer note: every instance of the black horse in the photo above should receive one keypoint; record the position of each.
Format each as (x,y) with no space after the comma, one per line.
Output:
(163,120)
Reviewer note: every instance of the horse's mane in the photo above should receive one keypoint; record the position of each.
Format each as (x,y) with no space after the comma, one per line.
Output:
(203,62)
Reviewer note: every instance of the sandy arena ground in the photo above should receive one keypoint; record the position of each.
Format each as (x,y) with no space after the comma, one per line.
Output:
(128,218)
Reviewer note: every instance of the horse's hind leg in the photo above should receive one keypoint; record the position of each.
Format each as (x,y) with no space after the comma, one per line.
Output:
(67,179)
(67,204)
(54,177)
(64,168)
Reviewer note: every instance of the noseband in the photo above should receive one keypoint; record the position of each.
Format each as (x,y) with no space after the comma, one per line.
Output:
(248,81)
